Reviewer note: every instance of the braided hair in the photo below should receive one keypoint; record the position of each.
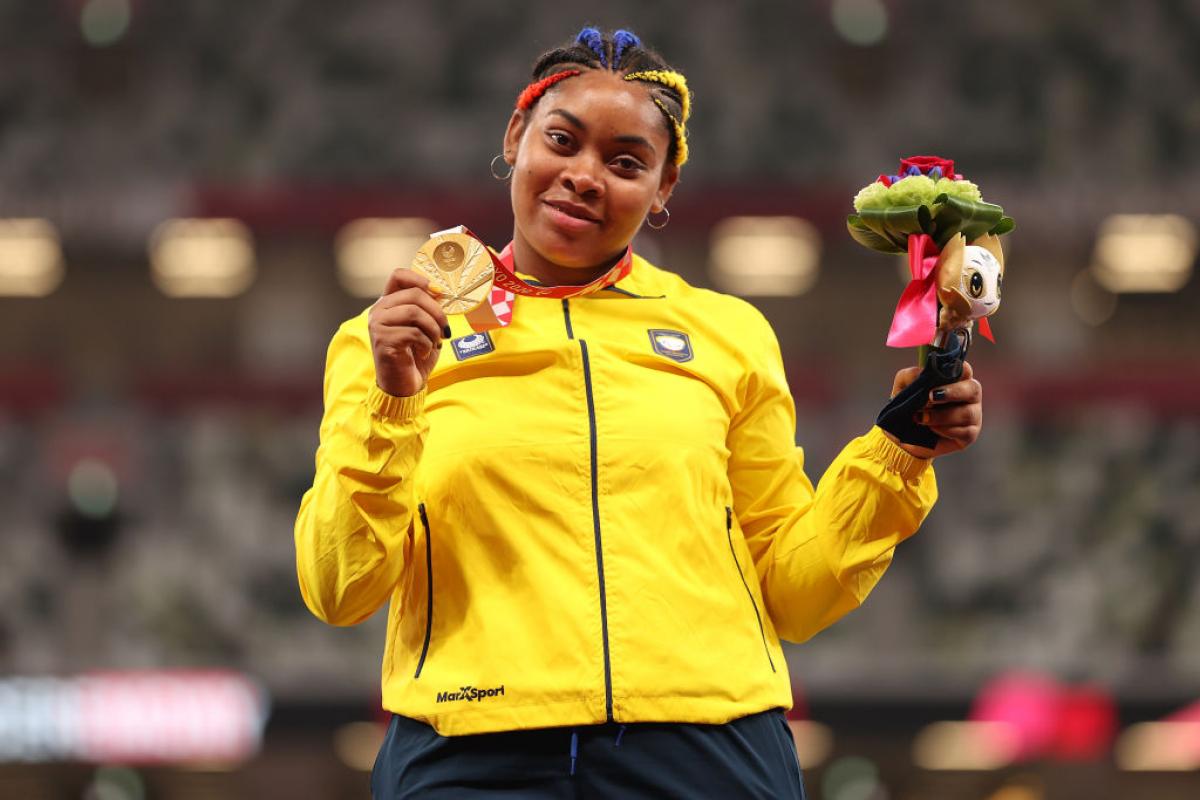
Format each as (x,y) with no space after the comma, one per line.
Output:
(623,53)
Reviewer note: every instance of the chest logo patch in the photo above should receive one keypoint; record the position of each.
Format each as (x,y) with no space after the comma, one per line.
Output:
(475,344)
(675,345)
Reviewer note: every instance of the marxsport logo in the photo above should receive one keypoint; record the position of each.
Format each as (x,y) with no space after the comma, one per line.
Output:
(470,694)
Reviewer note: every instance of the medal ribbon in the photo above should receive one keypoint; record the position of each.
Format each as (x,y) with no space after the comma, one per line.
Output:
(497,312)
(506,278)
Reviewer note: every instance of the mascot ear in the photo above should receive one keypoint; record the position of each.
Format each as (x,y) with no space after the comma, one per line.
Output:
(992,245)
(950,262)
(949,276)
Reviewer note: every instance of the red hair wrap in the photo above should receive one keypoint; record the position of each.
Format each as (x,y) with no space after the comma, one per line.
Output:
(538,88)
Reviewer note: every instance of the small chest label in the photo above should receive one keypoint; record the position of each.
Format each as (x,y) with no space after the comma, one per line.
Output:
(675,345)
(474,345)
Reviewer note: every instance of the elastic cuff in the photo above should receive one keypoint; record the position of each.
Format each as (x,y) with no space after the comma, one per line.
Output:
(894,457)
(398,409)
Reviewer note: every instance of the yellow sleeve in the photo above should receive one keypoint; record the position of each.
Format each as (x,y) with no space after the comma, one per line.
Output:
(818,553)
(353,526)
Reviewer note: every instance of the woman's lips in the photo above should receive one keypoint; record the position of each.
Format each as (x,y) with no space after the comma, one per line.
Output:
(567,220)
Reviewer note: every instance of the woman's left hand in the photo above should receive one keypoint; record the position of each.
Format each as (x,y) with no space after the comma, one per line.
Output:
(954,412)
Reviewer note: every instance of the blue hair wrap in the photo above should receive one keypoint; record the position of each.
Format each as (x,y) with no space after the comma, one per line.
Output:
(595,42)
(622,41)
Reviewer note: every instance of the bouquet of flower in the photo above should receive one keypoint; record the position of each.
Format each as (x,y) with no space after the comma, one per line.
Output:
(927,196)
(951,236)
(957,265)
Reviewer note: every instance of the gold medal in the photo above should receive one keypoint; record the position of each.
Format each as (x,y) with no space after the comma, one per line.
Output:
(459,269)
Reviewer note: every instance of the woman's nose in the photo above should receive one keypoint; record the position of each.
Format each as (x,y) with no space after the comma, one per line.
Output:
(581,177)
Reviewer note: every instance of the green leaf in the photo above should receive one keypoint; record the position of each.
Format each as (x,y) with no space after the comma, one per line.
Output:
(896,224)
(860,233)
(969,218)
(1004,226)
(887,229)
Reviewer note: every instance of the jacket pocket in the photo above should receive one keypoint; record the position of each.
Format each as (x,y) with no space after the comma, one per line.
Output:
(428,588)
(749,595)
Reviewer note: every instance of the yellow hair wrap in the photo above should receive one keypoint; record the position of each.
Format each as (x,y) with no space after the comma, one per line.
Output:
(678,83)
(672,80)
(681,148)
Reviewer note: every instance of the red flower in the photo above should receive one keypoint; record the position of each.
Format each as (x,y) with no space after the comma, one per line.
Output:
(926,163)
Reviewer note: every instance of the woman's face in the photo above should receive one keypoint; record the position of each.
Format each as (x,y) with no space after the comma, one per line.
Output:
(589,163)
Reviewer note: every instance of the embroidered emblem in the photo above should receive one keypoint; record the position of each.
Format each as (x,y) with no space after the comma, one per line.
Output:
(675,345)
(475,344)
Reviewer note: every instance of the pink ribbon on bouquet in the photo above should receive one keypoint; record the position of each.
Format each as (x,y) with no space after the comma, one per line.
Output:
(915,321)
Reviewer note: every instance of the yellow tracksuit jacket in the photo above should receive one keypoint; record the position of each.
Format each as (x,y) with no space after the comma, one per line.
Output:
(597,513)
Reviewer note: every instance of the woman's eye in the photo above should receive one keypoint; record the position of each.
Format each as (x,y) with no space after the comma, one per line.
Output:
(627,164)
(559,138)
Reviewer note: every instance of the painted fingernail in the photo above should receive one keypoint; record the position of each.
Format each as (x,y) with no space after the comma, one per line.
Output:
(939,394)
(446,331)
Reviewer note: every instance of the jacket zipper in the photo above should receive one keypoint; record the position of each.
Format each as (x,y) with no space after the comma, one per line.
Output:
(591,407)
(567,319)
(758,617)
(428,590)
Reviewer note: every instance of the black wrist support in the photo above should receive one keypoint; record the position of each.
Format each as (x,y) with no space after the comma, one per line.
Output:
(942,366)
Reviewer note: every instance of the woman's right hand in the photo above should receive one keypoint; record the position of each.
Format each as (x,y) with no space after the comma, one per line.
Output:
(407,326)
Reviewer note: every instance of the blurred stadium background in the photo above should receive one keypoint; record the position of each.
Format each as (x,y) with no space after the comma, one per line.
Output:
(194,193)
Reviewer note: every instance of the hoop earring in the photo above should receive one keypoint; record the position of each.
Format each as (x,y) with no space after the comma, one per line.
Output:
(650,221)
(496,175)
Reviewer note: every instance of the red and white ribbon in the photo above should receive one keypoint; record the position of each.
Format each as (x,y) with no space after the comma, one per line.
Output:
(506,285)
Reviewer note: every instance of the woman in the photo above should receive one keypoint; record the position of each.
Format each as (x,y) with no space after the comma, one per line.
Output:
(592,525)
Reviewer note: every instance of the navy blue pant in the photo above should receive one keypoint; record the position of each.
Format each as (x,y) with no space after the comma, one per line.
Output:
(751,757)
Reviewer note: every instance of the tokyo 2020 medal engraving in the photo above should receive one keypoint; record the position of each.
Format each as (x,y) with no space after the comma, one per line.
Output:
(459,270)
